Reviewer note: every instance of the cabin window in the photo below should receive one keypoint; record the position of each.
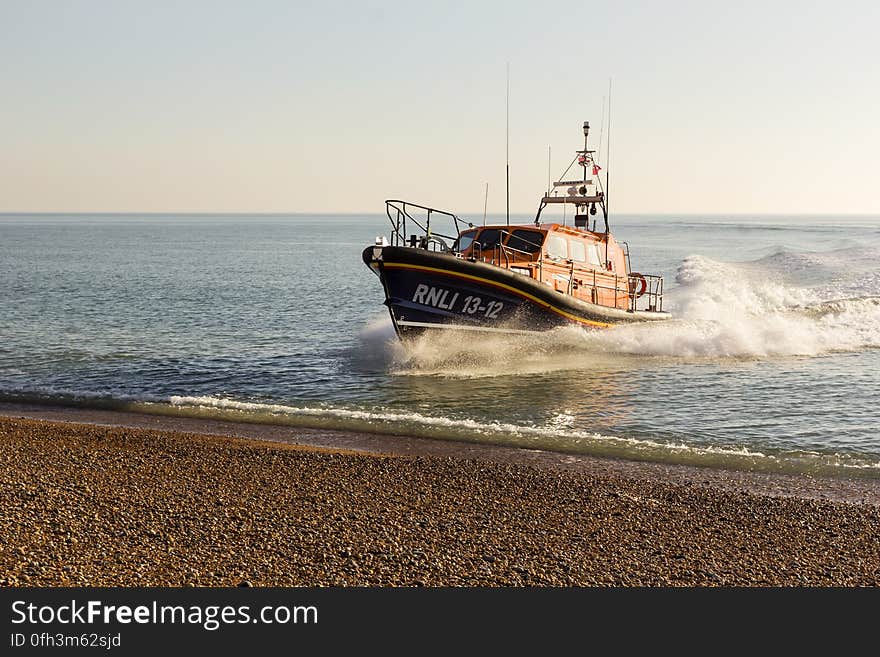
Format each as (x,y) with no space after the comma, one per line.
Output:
(526,240)
(488,238)
(578,250)
(593,255)
(465,240)
(557,246)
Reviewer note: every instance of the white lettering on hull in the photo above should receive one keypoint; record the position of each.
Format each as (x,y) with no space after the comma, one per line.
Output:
(421,291)
(438,297)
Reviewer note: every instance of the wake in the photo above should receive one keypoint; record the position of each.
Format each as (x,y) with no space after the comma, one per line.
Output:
(722,311)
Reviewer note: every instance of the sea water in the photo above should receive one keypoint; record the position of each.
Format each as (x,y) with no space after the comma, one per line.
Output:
(770,363)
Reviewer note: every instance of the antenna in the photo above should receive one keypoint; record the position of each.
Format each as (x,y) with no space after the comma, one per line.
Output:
(608,157)
(586,152)
(485,203)
(549,175)
(607,167)
(507,144)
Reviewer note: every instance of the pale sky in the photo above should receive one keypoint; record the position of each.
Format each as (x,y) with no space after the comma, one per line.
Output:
(289,106)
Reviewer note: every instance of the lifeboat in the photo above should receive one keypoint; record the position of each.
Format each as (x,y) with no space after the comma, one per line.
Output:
(512,278)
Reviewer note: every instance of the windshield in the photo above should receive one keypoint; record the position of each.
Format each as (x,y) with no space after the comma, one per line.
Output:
(465,240)
(489,238)
(526,240)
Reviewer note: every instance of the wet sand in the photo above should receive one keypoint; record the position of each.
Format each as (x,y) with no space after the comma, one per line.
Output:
(141,500)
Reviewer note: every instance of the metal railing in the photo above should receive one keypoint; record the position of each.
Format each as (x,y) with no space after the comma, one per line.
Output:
(498,250)
(625,246)
(652,293)
(408,229)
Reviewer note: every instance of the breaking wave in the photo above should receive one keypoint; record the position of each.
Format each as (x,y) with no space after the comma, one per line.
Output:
(557,434)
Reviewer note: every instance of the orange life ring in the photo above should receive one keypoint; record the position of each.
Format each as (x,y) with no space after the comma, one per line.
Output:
(643,285)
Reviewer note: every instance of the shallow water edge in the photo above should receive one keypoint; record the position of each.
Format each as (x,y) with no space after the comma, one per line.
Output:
(801,486)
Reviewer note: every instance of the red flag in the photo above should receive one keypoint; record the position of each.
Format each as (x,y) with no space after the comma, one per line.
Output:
(596,168)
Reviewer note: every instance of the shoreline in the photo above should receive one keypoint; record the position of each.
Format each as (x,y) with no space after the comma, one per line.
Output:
(801,486)
(99,505)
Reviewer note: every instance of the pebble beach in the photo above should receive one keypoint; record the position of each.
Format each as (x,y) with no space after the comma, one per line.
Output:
(96,505)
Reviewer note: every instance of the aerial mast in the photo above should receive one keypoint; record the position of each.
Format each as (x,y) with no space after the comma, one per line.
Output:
(586,135)
(607,161)
(507,143)
(583,158)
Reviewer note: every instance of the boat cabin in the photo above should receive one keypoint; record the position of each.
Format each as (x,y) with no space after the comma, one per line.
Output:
(588,265)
